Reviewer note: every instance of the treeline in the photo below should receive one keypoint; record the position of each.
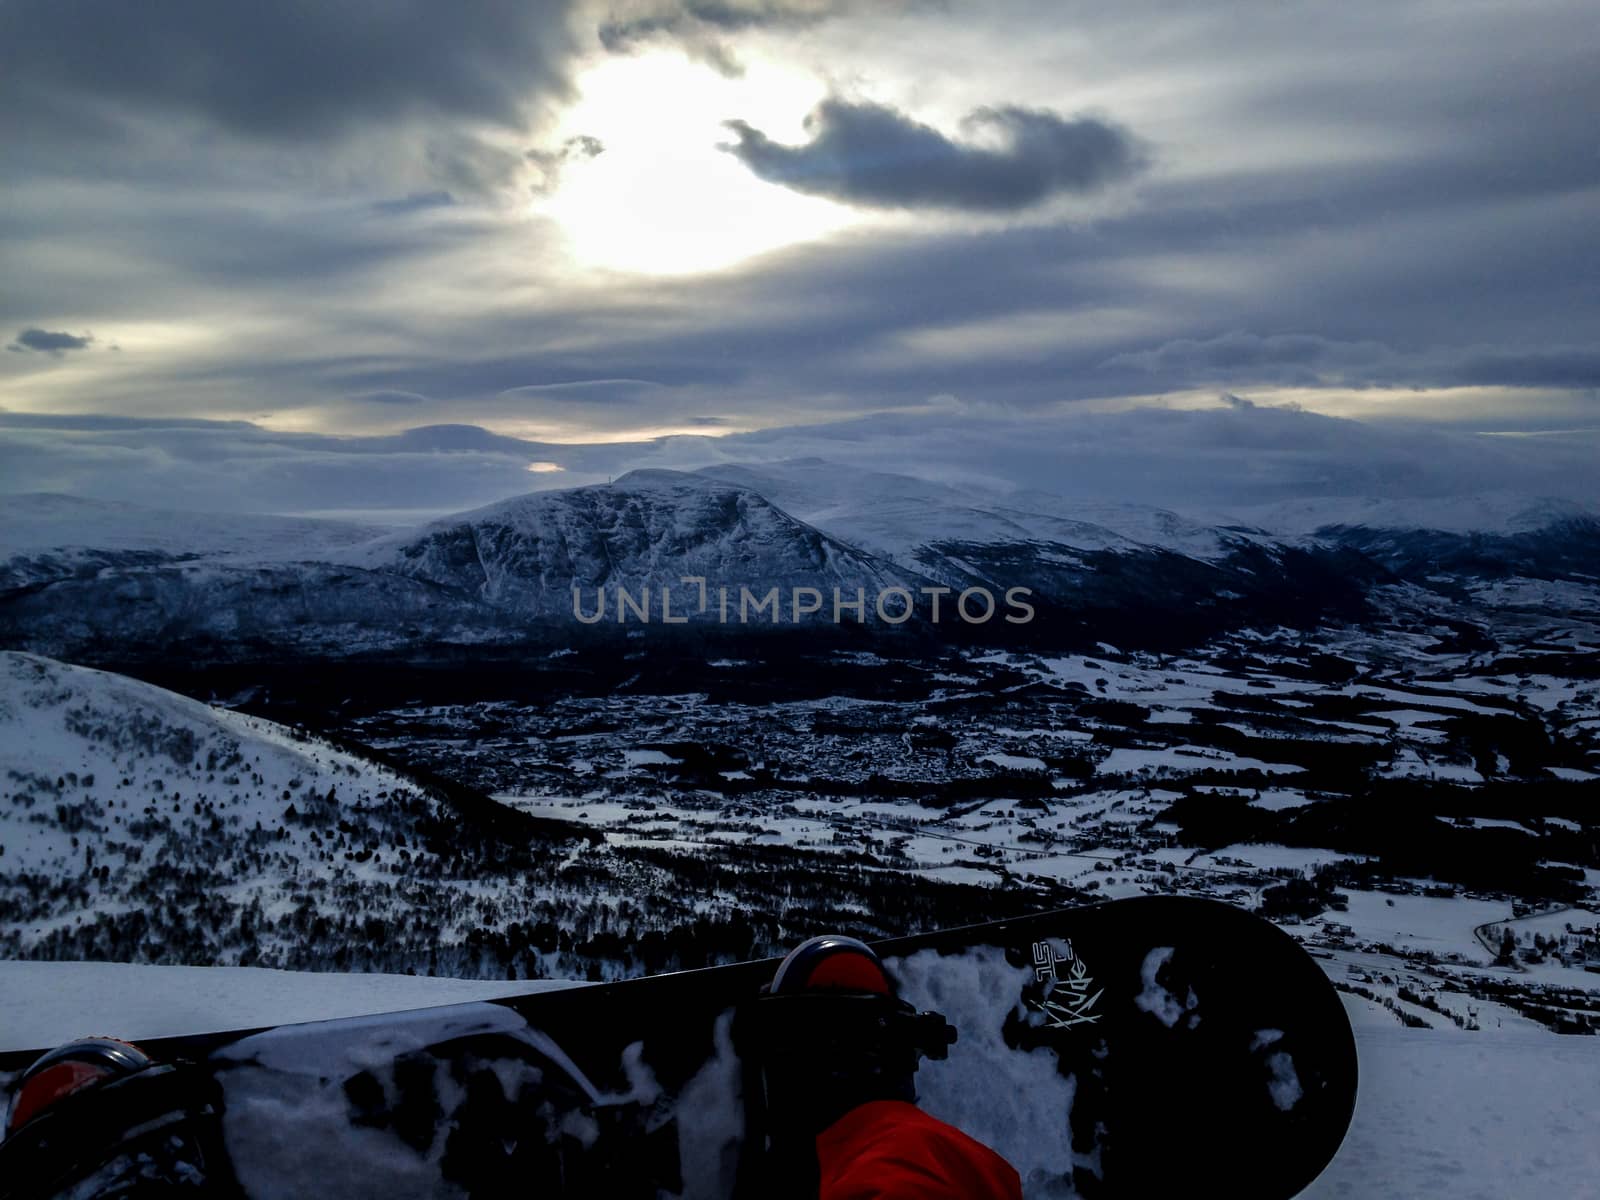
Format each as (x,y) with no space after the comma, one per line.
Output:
(1396,823)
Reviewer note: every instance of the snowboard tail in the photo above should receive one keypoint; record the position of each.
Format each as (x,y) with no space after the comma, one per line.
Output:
(1111,1052)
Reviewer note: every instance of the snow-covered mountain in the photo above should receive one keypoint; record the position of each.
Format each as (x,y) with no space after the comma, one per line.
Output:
(139,825)
(84,576)
(139,822)
(89,755)
(99,582)
(906,519)
(38,522)
(1502,514)
(643,533)
(46,536)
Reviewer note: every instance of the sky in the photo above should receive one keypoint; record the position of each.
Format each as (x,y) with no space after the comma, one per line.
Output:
(403,256)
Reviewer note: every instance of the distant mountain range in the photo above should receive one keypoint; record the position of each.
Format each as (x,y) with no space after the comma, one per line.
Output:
(694,550)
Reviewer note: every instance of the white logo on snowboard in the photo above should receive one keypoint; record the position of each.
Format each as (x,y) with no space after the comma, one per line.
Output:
(1067,999)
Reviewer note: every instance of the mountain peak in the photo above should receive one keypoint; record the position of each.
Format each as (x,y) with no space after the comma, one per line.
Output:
(663,477)
(645,531)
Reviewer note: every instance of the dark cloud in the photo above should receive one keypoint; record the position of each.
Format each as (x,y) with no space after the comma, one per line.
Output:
(45,341)
(237,466)
(391,398)
(109,422)
(1242,349)
(552,162)
(415,202)
(1374,200)
(1558,367)
(878,157)
(700,26)
(283,68)
(1213,462)
(1242,358)
(117,88)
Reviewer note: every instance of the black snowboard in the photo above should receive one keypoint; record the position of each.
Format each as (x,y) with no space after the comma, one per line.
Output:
(1138,1048)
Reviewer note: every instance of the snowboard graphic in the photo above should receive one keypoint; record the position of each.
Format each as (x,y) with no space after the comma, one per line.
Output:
(1135,1048)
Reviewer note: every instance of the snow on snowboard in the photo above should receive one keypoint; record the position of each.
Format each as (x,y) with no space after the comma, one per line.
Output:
(1136,1048)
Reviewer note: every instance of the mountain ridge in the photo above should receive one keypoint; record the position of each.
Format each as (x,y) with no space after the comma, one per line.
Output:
(640,549)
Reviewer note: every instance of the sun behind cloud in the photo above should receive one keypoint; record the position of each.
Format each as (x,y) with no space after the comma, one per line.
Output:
(661,198)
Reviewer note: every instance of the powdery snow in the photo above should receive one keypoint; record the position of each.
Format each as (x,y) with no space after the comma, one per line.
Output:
(1409,763)
(1015,762)
(1443,1116)
(96,731)
(1126,760)
(1278,799)
(46,1003)
(1008,1100)
(1422,923)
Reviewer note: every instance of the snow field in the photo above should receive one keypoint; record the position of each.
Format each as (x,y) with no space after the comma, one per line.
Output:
(45,1003)
(1444,1117)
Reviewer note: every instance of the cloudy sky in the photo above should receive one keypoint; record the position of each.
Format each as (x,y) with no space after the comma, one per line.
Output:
(257,254)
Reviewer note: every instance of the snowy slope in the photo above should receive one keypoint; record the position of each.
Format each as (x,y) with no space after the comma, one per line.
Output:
(1498,513)
(647,529)
(77,573)
(95,765)
(140,825)
(45,522)
(898,515)
(46,1003)
(128,746)
(1443,1116)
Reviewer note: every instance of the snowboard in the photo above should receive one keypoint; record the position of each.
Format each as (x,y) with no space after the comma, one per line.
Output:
(1135,1048)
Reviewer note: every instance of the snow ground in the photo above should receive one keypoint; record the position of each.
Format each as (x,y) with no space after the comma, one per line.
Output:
(1467,1117)
(46,1003)
(1183,759)
(121,748)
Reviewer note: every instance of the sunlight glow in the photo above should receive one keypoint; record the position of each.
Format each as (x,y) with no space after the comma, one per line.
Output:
(576,434)
(661,199)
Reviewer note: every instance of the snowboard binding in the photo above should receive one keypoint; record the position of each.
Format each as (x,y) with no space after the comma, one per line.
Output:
(828,1034)
(99,1117)
(831,1032)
